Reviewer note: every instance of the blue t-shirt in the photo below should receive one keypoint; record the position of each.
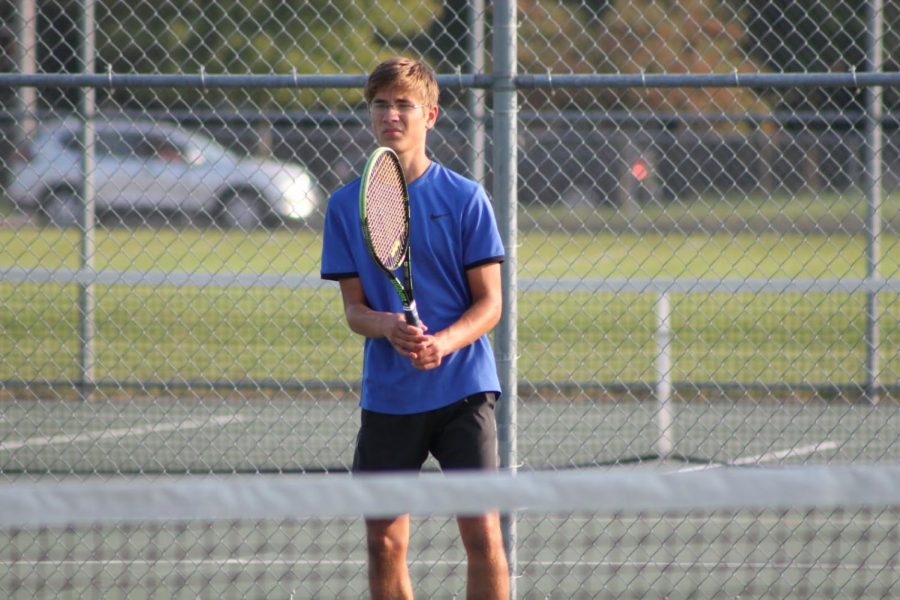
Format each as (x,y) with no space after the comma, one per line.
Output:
(452,229)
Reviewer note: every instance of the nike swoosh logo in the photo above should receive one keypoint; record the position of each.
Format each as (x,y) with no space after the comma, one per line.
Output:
(436,216)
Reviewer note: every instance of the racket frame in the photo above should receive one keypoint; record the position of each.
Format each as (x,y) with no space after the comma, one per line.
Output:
(403,288)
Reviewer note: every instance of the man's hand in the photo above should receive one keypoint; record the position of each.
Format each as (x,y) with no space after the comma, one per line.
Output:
(406,339)
(429,353)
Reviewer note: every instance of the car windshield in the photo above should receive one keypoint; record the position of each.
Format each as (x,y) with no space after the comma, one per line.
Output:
(193,148)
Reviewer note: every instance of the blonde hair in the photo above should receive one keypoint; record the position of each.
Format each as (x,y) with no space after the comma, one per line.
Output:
(405,74)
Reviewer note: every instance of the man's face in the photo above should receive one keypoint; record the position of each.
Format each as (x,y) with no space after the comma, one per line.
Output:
(400,119)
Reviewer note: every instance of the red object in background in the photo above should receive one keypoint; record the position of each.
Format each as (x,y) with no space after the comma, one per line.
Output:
(639,170)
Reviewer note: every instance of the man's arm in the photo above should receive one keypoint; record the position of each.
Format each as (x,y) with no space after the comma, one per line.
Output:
(406,339)
(480,318)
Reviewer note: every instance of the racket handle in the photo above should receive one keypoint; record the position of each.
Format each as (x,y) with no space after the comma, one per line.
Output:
(411,314)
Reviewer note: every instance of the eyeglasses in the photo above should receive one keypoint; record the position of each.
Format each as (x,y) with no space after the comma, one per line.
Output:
(380,107)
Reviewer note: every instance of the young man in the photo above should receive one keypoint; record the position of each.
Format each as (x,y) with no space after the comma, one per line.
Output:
(429,390)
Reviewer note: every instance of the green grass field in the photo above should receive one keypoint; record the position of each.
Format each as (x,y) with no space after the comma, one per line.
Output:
(212,334)
(822,212)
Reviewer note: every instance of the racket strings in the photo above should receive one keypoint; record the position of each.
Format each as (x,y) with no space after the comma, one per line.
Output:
(386,214)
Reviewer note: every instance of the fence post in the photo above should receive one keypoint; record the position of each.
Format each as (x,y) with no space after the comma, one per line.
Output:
(872,178)
(27,57)
(505,146)
(664,443)
(86,297)
(475,96)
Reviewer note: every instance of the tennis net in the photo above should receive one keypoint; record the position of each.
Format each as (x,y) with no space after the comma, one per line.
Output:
(790,532)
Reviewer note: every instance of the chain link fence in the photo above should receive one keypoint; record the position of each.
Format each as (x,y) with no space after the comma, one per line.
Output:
(700,200)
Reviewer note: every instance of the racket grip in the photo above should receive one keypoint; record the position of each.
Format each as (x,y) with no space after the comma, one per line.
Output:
(411,314)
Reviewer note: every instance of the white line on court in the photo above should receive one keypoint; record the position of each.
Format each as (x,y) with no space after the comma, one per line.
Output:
(117,433)
(767,456)
(636,564)
(197,562)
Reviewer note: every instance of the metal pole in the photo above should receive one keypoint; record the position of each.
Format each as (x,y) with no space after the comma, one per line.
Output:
(86,297)
(505,196)
(475,96)
(664,443)
(27,37)
(872,184)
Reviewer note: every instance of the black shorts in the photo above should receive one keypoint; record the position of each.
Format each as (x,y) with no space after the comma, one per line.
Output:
(462,435)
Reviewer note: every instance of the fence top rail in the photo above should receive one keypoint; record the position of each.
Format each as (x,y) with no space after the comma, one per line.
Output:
(734,79)
(458,80)
(210,81)
(539,284)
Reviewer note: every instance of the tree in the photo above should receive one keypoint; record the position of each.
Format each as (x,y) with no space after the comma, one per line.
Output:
(824,36)
(253,36)
(639,36)
(690,36)
(233,36)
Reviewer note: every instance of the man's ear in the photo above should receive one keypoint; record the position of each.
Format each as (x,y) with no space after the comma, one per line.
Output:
(431,117)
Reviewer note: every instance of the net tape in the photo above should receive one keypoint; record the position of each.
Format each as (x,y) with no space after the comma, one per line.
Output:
(44,504)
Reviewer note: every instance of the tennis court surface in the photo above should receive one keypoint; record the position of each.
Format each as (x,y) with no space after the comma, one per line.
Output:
(287,433)
(227,499)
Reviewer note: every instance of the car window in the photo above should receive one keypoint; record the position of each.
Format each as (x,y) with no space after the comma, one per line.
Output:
(114,143)
(138,145)
(166,148)
(142,145)
(70,141)
(157,146)
(108,143)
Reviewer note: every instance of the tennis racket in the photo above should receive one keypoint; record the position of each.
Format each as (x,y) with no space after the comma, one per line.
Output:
(384,214)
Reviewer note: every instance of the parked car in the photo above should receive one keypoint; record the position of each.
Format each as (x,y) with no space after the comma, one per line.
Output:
(154,168)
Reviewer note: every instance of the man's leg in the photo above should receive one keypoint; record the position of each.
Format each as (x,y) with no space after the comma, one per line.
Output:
(387,544)
(468,441)
(488,571)
(390,443)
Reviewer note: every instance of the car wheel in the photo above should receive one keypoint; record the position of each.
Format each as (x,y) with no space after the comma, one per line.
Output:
(62,208)
(244,210)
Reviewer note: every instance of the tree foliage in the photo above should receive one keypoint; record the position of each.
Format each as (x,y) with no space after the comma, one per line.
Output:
(644,36)
(555,36)
(822,36)
(239,36)
(689,36)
